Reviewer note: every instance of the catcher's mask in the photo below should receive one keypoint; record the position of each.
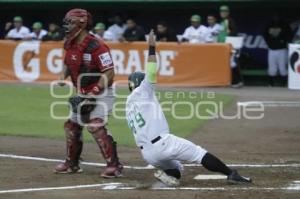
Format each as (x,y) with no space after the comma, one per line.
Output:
(75,21)
(135,79)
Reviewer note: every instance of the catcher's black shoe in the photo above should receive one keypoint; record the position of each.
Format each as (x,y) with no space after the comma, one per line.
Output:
(234,177)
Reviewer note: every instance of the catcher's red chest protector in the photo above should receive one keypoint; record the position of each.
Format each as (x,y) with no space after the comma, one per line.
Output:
(91,56)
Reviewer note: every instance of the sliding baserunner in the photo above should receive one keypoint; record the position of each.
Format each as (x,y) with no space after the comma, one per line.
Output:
(151,131)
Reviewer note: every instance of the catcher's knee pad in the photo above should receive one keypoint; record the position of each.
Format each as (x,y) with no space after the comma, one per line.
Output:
(95,125)
(106,143)
(173,172)
(72,126)
(73,133)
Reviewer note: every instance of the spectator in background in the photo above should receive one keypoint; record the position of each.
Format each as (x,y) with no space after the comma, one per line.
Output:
(19,31)
(196,33)
(7,28)
(108,36)
(37,31)
(99,30)
(55,33)
(228,28)
(133,32)
(213,28)
(117,29)
(277,35)
(101,33)
(164,33)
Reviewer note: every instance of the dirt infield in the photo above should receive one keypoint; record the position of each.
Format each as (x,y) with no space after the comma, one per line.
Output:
(268,150)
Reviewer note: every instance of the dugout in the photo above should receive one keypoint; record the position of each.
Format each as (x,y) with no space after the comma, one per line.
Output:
(250,16)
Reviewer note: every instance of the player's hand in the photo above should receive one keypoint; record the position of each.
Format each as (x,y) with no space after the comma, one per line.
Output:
(121,39)
(151,39)
(96,90)
(8,25)
(61,82)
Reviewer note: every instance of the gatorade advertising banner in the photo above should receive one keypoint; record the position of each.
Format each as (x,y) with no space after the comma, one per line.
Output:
(179,64)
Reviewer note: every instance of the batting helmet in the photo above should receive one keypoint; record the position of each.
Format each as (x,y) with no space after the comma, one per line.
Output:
(135,79)
(75,21)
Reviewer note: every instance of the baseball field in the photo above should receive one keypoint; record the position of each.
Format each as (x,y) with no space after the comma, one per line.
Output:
(254,130)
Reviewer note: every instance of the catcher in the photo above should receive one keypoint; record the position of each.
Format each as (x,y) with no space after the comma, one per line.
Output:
(152,134)
(89,64)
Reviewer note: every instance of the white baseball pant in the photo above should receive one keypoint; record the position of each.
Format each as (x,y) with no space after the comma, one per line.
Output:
(170,150)
(277,60)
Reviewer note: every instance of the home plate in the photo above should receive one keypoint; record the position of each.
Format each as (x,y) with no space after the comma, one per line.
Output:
(210,177)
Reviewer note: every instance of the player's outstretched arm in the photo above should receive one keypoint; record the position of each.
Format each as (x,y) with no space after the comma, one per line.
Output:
(151,66)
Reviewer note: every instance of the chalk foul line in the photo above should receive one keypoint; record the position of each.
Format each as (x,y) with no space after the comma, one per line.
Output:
(61,188)
(121,186)
(21,157)
(270,103)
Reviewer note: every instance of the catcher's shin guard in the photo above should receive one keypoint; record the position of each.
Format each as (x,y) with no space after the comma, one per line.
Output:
(108,148)
(73,132)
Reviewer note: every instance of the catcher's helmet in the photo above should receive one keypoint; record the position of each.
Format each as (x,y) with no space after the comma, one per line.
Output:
(75,21)
(135,79)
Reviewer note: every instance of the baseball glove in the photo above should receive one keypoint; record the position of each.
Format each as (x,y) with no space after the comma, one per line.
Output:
(84,105)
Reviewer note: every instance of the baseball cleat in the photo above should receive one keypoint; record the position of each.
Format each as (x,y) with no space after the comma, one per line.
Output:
(234,177)
(112,171)
(238,85)
(166,179)
(66,168)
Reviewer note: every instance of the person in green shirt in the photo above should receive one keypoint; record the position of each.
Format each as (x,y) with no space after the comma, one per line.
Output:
(228,27)
(55,33)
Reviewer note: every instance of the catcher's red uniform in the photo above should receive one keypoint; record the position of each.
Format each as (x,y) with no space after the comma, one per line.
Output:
(85,62)
(91,56)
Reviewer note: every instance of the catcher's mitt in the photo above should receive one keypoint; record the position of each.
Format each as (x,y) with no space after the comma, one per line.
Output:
(84,105)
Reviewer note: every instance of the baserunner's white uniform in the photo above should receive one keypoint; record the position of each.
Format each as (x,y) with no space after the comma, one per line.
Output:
(147,122)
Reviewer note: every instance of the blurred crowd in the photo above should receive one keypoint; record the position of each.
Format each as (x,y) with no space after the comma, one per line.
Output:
(200,30)
(214,28)
(17,31)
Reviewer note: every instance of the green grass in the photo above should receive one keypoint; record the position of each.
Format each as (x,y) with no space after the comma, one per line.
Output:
(25,111)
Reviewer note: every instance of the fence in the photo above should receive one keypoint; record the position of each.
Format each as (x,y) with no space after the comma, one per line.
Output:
(179,64)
